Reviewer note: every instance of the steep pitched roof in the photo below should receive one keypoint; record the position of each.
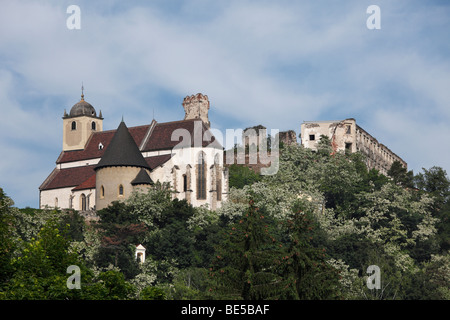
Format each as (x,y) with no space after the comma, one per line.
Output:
(87,184)
(122,151)
(156,161)
(142,178)
(92,150)
(161,137)
(69,177)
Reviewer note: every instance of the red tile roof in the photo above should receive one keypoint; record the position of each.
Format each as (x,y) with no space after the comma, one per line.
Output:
(156,161)
(160,139)
(83,177)
(69,177)
(87,184)
(92,151)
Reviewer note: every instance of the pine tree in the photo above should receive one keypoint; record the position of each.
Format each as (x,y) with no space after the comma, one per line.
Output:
(304,268)
(244,267)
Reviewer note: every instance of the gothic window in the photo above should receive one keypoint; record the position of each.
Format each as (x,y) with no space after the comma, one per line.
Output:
(121,190)
(184,183)
(83,202)
(70,202)
(93,125)
(74,125)
(219,187)
(218,177)
(56,203)
(102,192)
(201,177)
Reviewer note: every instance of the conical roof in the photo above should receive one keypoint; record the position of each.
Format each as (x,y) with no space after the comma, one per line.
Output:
(122,151)
(142,178)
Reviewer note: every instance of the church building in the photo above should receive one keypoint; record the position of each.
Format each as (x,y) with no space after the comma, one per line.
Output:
(98,167)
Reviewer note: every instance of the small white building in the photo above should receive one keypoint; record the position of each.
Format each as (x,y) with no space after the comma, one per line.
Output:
(140,253)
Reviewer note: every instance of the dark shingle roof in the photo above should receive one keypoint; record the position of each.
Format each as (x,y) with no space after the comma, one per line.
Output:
(122,151)
(142,178)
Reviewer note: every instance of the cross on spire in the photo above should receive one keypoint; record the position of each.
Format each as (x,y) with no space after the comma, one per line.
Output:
(82,91)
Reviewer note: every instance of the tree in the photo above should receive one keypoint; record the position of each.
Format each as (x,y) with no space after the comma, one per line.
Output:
(240,176)
(437,184)
(400,175)
(121,232)
(40,268)
(7,245)
(305,270)
(244,264)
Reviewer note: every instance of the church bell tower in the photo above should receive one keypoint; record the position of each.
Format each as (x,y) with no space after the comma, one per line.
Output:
(79,124)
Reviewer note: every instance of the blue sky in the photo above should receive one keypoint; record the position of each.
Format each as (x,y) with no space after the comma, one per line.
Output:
(275,63)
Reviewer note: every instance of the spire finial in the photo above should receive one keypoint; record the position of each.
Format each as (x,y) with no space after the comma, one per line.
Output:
(82,91)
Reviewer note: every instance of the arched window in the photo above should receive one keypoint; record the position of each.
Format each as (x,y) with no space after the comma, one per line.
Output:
(74,125)
(121,190)
(218,174)
(201,177)
(83,202)
(56,203)
(102,192)
(184,183)
(93,125)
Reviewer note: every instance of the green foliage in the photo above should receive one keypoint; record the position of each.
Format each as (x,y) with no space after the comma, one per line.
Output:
(307,232)
(400,175)
(40,267)
(244,264)
(152,293)
(240,176)
(7,245)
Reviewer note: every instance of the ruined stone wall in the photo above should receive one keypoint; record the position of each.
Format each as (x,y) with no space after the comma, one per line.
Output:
(347,136)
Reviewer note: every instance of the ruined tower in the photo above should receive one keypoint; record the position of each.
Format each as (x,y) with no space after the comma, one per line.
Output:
(196,107)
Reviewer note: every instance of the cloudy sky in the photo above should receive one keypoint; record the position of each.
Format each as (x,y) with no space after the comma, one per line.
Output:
(275,63)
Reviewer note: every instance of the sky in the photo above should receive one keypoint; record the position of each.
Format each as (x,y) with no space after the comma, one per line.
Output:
(275,63)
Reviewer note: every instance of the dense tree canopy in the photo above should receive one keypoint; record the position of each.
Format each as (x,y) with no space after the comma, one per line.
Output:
(310,231)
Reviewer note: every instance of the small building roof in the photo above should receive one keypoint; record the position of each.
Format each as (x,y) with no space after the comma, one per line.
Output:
(142,178)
